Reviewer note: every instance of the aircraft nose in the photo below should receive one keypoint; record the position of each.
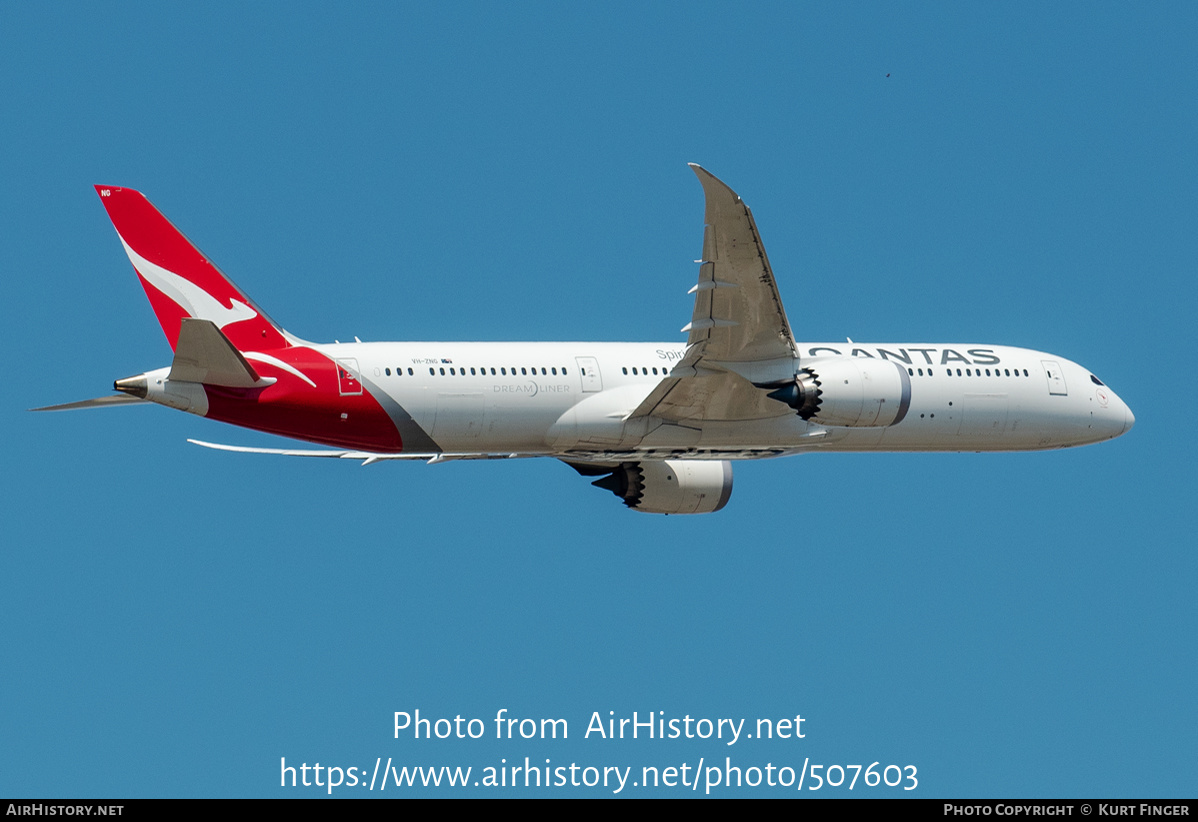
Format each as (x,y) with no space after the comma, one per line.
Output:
(1121,421)
(1111,417)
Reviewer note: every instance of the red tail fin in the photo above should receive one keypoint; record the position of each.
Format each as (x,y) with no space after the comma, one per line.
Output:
(179,280)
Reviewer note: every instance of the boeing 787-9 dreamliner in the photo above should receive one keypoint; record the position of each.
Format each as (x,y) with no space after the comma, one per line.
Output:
(658,424)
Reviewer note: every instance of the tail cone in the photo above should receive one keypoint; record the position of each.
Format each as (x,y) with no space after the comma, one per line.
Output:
(132,385)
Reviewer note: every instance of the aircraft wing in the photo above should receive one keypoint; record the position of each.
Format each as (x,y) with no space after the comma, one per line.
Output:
(738,313)
(367,457)
(738,333)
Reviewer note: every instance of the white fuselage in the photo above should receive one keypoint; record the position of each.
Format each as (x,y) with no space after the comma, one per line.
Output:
(574,398)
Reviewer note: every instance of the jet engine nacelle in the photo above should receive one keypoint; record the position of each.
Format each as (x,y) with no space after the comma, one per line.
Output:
(851,392)
(671,486)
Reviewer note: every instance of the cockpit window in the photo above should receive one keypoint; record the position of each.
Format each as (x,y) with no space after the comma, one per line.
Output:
(1095,380)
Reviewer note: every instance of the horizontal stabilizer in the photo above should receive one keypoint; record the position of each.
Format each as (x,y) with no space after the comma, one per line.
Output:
(98,402)
(205,355)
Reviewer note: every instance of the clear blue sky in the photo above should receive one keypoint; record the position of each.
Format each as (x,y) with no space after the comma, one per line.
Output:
(177,620)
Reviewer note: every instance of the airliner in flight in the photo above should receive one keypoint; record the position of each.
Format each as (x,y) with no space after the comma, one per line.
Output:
(657,424)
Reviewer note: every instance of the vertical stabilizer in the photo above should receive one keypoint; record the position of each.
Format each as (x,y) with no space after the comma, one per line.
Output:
(180,281)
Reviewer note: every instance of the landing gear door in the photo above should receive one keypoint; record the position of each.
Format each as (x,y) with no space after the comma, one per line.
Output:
(349,380)
(592,380)
(1056,378)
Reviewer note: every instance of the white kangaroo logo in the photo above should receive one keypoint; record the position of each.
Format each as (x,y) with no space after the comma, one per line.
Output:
(190,297)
